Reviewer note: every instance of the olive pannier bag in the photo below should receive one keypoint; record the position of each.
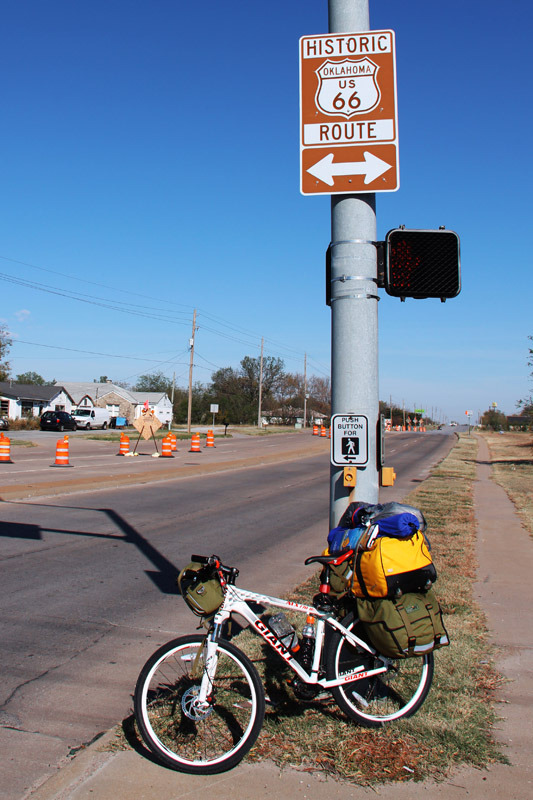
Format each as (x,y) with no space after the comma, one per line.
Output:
(408,626)
(201,591)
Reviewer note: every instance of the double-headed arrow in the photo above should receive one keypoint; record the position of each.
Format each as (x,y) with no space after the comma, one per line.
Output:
(372,167)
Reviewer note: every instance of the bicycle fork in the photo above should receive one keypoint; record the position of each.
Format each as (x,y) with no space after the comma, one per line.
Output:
(209,652)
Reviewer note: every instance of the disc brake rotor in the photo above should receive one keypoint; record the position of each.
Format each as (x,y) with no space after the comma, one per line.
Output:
(191,706)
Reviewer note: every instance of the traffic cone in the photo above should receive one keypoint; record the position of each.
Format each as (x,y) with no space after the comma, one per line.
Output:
(62,453)
(5,450)
(210,441)
(124,447)
(166,447)
(195,443)
(315,430)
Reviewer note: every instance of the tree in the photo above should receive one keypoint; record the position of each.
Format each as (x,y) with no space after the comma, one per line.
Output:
(5,344)
(228,391)
(153,382)
(526,404)
(319,390)
(31,377)
(494,419)
(271,377)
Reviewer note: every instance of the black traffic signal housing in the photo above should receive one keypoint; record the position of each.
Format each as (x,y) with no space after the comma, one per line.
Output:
(420,263)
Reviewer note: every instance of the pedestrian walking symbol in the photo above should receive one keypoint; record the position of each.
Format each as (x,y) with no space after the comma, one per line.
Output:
(350,447)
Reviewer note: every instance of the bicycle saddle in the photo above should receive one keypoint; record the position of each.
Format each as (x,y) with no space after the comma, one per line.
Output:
(327,560)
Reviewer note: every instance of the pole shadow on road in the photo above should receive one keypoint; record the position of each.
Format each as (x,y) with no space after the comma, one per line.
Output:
(165,573)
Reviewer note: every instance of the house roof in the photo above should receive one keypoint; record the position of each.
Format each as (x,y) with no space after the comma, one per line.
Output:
(79,390)
(30,391)
(152,397)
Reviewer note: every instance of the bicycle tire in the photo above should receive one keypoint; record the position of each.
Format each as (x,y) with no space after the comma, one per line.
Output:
(187,739)
(374,701)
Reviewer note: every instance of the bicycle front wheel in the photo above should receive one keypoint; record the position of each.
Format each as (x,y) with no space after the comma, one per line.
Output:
(373,701)
(180,733)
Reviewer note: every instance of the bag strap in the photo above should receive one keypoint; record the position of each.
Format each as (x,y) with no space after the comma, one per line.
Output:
(436,621)
(359,573)
(411,636)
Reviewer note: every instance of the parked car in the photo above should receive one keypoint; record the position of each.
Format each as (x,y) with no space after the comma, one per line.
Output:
(57,421)
(92,418)
(4,424)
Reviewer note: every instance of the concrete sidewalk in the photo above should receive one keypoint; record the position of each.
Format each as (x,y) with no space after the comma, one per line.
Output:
(505,591)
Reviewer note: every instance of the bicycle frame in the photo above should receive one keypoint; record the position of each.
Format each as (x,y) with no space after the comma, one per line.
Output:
(236,602)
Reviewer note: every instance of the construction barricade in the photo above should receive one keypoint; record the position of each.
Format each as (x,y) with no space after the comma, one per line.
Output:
(124,446)
(166,447)
(5,450)
(62,454)
(195,443)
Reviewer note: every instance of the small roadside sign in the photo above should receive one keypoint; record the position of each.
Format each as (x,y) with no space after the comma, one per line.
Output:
(349,440)
(348,113)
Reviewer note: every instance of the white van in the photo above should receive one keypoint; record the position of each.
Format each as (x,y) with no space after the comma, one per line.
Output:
(91,418)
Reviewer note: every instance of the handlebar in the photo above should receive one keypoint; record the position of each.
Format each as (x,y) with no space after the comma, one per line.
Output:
(226,574)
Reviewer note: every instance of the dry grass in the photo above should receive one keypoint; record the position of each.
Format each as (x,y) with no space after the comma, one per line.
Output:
(512,467)
(454,725)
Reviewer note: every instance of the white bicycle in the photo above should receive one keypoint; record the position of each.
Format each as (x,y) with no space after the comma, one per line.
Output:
(199,702)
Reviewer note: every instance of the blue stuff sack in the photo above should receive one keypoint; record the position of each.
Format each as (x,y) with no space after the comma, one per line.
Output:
(342,539)
(400,526)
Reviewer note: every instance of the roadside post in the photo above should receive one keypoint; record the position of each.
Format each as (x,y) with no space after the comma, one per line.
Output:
(349,149)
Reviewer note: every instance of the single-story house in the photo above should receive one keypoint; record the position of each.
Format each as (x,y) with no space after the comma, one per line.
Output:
(19,400)
(118,401)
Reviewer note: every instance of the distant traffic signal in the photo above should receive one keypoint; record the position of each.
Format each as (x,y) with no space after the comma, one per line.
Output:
(422,264)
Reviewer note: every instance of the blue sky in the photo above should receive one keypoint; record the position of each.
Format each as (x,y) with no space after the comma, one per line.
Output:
(151,166)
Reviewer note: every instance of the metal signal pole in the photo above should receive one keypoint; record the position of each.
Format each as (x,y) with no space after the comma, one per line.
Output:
(354,305)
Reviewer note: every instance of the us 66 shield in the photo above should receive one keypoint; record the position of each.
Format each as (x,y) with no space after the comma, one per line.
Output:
(349,440)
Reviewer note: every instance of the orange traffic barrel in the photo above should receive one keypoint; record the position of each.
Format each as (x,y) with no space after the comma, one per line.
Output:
(329,433)
(210,442)
(315,430)
(195,443)
(124,447)
(166,447)
(323,431)
(5,450)
(174,441)
(61,453)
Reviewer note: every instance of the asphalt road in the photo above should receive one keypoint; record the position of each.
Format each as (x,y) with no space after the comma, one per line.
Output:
(88,578)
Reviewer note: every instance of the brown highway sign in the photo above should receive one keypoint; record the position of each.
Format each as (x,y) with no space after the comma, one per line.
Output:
(348,113)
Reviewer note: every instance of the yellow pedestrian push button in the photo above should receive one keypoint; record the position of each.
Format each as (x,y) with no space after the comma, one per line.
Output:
(350,476)
(388,476)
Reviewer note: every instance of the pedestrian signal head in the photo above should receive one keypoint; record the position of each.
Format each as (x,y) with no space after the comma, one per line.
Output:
(422,264)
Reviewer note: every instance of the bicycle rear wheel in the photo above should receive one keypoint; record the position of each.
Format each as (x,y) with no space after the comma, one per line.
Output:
(374,701)
(182,735)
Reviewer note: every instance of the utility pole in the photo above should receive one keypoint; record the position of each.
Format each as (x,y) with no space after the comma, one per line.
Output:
(191,343)
(259,415)
(305,390)
(172,400)
(354,305)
